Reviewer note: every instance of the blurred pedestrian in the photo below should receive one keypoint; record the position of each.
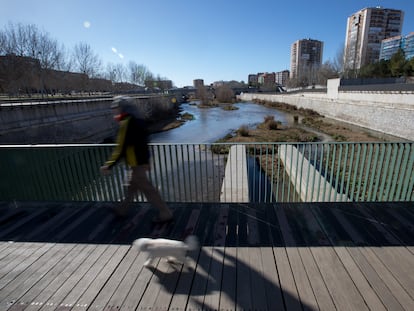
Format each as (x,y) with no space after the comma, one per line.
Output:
(132,147)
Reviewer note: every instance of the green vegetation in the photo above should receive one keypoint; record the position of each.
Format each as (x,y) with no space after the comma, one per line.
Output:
(187,116)
(397,66)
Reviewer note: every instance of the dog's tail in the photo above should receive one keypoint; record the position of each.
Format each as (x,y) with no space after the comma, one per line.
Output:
(192,242)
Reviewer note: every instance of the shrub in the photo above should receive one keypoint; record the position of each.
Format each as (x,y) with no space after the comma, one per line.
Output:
(273,125)
(243,131)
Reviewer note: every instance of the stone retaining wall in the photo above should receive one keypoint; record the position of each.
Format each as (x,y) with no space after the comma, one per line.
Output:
(391,113)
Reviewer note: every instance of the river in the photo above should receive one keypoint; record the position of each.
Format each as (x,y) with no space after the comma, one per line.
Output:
(211,124)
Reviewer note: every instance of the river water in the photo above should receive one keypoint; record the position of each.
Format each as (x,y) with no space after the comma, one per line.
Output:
(211,124)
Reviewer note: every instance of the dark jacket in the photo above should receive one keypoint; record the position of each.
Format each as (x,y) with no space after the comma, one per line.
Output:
(132,142)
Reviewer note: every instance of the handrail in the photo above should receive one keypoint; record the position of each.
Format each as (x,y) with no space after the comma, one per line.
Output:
(318,172)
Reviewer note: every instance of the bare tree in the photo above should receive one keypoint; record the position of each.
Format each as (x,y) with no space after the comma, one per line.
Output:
(138,74)
(338,61)
(111,72)
(85,60)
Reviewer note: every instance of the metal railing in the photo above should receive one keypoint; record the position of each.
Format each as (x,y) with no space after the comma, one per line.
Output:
(276,172)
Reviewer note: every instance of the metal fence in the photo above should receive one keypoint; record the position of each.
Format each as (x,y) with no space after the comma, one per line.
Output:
(276,172)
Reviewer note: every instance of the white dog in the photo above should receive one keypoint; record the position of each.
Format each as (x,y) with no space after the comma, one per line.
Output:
(173,250)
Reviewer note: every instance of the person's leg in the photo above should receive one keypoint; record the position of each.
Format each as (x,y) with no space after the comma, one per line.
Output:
(130,191)
(140,181)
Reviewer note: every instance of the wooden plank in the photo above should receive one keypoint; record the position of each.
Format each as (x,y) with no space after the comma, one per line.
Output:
(322,294)
(130,226)
(229,274)
(6,232)
(14,255)
(138,288)
(114,280)
(165,275)
(201,278)
(31,270)
(389,280)
(46,300)
(398,260)
(323,298)
(5,248)
(364,286)
(364,222)
(273,287)
(90,270)
(306,296)
(341,287)
(244,295)
(158,284)
(20,261)
(51,224)
(180,297)
(253,235)
(173,280)
(258,279)
(72,275)
(286,279)
(116,301)
(344,292)
(212,295)
(398,221)
(228,286)
(62,235)
(87,299)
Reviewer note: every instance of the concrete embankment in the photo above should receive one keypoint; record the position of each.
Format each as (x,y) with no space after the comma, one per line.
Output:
(235,187)
(69,121)
(388,112)
(310,184)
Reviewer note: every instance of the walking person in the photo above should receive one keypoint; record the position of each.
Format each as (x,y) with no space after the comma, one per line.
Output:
(132,147)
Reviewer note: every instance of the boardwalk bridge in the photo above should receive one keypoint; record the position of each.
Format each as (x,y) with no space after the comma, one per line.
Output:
(62,249)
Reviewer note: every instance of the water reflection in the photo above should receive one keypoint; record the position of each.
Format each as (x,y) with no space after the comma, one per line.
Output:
(211,124)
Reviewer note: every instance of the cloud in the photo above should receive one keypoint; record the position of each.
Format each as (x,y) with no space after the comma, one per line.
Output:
(114,50)
(86,24)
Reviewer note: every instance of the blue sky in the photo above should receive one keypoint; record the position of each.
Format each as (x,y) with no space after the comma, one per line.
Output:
(185,40)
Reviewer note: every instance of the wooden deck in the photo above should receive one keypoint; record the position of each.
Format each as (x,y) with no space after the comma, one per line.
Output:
(337,256)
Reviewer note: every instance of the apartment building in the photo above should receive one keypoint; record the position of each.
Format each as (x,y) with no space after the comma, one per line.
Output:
(305,58)
(365,31)
(391,46)
(281,77)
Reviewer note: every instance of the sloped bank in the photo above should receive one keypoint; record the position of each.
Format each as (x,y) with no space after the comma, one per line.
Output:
(389,112)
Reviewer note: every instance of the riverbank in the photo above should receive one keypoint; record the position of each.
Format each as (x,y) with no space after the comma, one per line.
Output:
(305,126)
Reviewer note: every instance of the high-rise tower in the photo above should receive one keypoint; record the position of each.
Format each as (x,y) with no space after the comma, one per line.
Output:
(305,58)
(364,33)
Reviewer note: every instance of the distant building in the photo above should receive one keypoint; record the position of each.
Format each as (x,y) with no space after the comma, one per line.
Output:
(197,83)
(267,79)
(365,31)
(281,77)
(252,80)
(391,46)
(305,58)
